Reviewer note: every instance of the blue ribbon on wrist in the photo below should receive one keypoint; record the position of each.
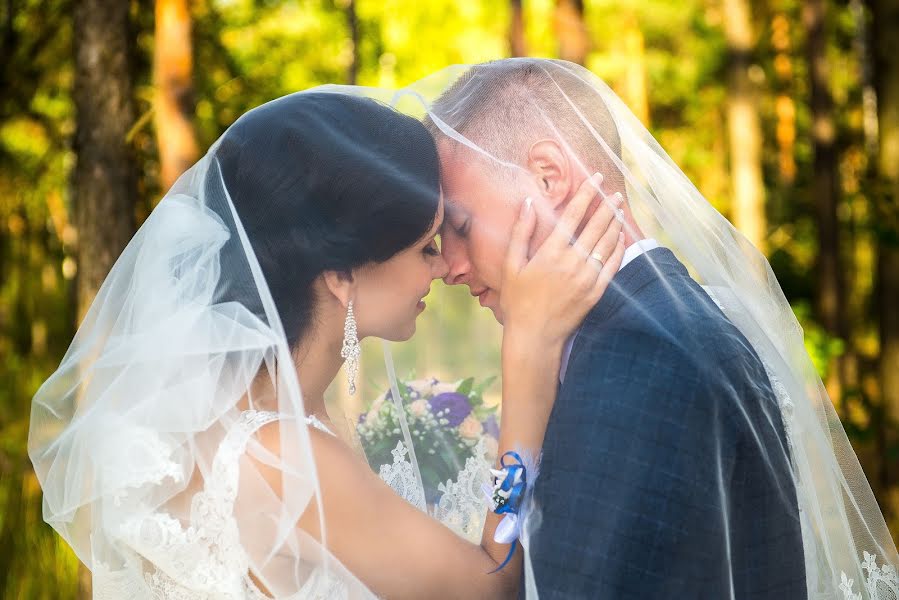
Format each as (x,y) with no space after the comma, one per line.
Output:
(513,486)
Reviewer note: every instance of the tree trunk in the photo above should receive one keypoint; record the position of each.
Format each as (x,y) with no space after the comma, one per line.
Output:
(517,42)
(104,181)
(825,190)
(885,46)
(744,130)
(173,80)
(571,31)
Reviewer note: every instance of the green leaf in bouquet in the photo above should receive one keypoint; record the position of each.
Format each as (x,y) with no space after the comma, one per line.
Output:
(482,412)
(465,387)
(482,386)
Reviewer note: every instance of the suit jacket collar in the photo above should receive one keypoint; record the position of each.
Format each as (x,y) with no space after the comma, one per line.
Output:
(650,266)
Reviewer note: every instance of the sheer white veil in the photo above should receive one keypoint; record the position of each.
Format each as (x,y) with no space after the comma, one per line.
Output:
(147,440)
(848,549)
(184,354)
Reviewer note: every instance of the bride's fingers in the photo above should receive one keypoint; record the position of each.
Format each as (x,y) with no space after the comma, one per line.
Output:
(609,269)
(563,233)
(519,242)
(605,247)
(599,224)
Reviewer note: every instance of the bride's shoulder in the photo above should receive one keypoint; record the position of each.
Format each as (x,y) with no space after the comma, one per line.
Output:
(333,457)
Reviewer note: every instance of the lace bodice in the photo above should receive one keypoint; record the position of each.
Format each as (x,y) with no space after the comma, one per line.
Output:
(203,560)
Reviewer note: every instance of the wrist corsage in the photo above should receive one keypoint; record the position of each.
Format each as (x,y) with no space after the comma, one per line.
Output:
(510,496)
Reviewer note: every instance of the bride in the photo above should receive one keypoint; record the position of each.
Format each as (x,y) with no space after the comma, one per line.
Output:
(183,445)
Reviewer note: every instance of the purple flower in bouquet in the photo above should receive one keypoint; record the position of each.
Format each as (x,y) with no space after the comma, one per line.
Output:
(452,406)
(491,427)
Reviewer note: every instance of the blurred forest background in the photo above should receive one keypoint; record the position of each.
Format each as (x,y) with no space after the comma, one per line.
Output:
(784,113)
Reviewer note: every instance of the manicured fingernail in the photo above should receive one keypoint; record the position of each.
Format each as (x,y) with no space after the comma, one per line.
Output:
(526,206)
(597,178)
(617,198)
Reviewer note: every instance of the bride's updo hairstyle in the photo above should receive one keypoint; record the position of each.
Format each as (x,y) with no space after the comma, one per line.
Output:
(320,182)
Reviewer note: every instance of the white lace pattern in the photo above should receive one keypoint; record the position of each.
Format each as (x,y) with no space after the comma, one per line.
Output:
(400,476)
(463,504)
(881,582)
(205,560)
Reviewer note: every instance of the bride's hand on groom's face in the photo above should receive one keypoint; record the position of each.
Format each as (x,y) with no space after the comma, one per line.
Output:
(549,295)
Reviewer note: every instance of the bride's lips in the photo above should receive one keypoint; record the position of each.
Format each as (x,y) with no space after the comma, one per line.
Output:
(421,303)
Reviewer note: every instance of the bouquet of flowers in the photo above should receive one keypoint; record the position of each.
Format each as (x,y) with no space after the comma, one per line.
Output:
(446,421)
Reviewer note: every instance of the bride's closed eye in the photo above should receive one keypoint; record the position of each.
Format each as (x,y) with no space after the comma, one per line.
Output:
(432,248)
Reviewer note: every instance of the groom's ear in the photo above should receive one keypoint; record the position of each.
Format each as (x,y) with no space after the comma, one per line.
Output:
(341,284)
(551,169)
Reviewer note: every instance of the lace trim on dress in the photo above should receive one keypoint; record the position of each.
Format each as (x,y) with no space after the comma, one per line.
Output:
(400,476)
(881,582)
(463,504)
(205,560)
(316,422)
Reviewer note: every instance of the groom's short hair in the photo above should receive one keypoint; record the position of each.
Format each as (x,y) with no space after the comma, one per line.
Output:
(504,106)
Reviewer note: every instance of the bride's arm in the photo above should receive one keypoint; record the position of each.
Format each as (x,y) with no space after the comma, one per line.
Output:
(391,546)
(541,310)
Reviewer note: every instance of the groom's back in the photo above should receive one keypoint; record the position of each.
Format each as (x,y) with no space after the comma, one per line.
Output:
(666,471)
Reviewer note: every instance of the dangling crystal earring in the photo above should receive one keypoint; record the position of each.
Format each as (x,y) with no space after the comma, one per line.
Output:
(351,349)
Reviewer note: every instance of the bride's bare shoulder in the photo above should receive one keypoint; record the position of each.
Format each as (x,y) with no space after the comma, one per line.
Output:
(335,461)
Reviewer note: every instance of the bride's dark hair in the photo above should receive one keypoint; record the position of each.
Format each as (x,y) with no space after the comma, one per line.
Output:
(321,182)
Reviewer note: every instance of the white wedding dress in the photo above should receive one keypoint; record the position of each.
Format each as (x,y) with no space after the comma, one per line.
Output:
(204,559)
(201,560)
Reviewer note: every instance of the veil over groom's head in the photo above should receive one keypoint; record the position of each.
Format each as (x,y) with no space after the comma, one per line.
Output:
(515,129)
(518,128)
(505,107)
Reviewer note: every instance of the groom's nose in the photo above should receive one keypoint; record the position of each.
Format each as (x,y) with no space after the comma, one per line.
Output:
(456,257)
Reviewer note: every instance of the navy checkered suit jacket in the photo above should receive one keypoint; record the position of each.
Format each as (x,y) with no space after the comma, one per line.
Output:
(665,471)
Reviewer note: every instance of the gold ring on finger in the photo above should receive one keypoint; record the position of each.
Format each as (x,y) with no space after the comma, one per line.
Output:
(598,257)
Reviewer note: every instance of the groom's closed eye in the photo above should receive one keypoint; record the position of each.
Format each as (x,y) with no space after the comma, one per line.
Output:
(457,219)
(460,226)
(463,229)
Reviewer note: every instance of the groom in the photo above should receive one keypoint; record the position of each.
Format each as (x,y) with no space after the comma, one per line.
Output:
(665,467)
